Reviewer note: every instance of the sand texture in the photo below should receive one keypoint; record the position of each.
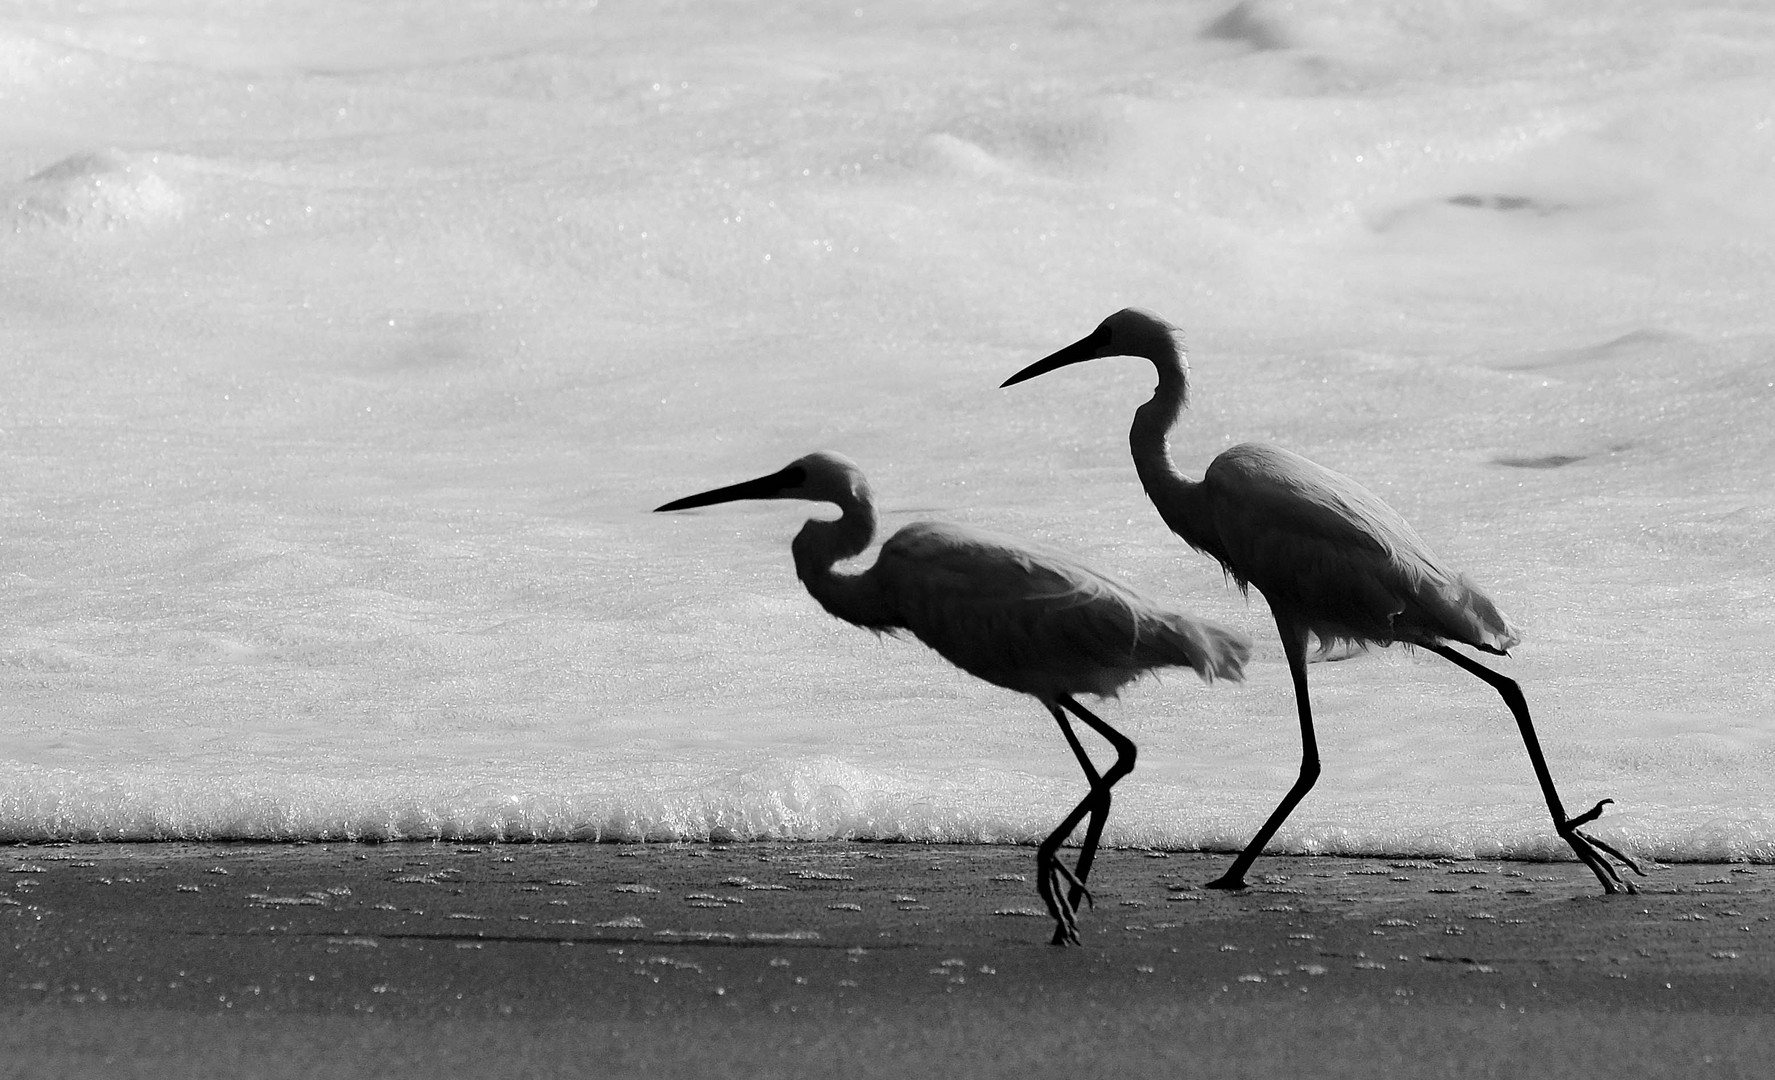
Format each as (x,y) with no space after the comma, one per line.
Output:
(858,960)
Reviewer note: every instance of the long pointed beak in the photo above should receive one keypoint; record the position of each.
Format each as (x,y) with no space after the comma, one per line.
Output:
(1077,353)
(765,487)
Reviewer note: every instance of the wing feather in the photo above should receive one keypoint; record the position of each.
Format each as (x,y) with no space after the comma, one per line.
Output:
(1036,620)
(1328,551)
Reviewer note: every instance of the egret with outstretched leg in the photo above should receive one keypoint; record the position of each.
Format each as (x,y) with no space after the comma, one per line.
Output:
(1334,562)
(1025,618)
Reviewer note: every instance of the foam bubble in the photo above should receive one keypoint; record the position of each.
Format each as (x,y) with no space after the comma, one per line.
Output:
(100,191)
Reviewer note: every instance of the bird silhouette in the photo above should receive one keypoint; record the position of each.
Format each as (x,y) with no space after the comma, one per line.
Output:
(1026,618)
(1334,562)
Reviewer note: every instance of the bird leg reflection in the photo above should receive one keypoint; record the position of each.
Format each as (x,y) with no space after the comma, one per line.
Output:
(1568,828)
(1051,874)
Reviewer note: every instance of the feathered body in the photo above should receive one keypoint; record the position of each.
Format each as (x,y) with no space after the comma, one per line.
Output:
(1034,620)
(1021,616)
(1026,618)
(1333,561)
(1329,553)
(1324,551)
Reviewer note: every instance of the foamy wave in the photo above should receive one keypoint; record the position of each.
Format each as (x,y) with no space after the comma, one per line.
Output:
(818,799)
(99,190)
(811,799)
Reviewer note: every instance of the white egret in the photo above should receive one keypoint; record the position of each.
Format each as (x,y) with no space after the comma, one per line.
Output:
(1025,618)
(1333,561)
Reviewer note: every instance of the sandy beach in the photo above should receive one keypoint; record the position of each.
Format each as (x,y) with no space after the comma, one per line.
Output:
(864,960)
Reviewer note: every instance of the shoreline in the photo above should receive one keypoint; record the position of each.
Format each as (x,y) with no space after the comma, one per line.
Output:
(816,959)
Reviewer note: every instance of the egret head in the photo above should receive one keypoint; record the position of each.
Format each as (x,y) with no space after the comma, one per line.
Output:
(821,476)
(1129,332)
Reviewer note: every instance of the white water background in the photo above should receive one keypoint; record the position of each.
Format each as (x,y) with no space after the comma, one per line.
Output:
(346,348)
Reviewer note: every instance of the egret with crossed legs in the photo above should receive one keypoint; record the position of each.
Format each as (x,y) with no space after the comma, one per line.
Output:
(1025,618)
(1335,563)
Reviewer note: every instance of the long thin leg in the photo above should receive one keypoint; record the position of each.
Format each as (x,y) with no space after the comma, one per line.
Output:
(1050,872)
(1585,846)
(1048,866)
(1078,749)
(1124,764)
(1099,812)
(1294,646)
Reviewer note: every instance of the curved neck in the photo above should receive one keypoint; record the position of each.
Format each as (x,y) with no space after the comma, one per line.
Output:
(1178,498)
(821,545)
(1149,439)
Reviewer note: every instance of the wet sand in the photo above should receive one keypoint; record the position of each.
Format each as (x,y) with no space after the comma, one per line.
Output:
(863,960)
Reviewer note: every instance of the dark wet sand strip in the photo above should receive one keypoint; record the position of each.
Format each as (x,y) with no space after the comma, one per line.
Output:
(864,960)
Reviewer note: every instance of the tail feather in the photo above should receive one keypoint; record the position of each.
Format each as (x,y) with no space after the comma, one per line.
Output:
(1210,650)
(1481,624)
